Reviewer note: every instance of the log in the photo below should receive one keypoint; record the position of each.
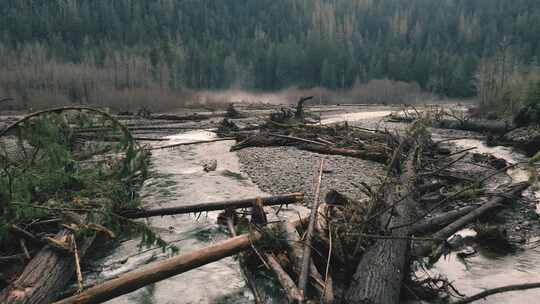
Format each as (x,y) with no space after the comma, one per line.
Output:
(259,219)
(369,153)
(306,254)
(295,254)
(190,117)
(293,293)
(248,274)
(374,152)
(192,143)
(439,221)
(379,275)
(475,125)
(212,206)
(424,248)
(161,270)
(45,275)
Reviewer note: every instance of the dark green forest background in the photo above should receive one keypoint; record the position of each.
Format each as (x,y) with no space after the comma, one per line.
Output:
(94,50)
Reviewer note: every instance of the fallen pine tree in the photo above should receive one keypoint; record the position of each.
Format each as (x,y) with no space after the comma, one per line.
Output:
(53,204)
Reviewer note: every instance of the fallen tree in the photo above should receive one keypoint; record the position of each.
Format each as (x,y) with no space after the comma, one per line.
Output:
(439,221)
(213,206)
(161,270)
(379,274)
(424,248)
(47,273)
(439,120)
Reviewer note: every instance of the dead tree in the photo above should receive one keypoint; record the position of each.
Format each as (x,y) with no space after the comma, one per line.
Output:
(379,275)
(300,107)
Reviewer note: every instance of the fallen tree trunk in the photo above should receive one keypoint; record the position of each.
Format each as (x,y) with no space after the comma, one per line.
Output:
(295,254)
(439,221)
(476,125)
(192,143)
(45,275)
(375,152)
(213,206)
(293,293)
(161,270)
(380,273)
(190,117)
(248,274)
(369,153)
(425,248)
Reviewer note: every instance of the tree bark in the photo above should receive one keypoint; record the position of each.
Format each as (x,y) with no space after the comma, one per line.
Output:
(380,273)
(158,271)
(162,270)
(213,206)
(45,275)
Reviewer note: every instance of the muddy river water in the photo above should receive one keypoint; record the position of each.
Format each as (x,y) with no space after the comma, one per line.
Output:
(178,178)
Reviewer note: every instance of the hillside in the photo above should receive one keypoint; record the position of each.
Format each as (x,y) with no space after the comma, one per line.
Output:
(89,51)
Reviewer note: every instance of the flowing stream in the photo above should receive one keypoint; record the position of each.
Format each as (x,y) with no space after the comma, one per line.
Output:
(488,269)
(179,179)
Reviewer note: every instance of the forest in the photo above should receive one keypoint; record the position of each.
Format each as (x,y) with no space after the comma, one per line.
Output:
(95,51)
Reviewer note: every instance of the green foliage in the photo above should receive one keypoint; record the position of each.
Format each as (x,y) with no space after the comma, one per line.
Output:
(42,177)
(532,98)
(221,44)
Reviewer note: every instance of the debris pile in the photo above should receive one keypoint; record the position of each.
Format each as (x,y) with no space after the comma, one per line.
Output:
(345,251)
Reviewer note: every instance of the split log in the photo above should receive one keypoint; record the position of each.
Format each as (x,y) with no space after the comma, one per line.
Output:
(213,206)
(134,128)
(425,248)
(380,273)
(374,152)
(45,275)
(439,221)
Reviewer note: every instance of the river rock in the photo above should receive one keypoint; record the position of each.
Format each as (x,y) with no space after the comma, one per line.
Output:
(526,138)
(466,252)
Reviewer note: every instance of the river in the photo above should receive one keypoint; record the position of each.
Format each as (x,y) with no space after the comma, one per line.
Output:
(178,179)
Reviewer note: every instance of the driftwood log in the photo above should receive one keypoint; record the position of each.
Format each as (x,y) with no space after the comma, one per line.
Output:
(46,274)
(161,270)
(475,125)
(213,206)
(425,248)
(379,275)
(439,221)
